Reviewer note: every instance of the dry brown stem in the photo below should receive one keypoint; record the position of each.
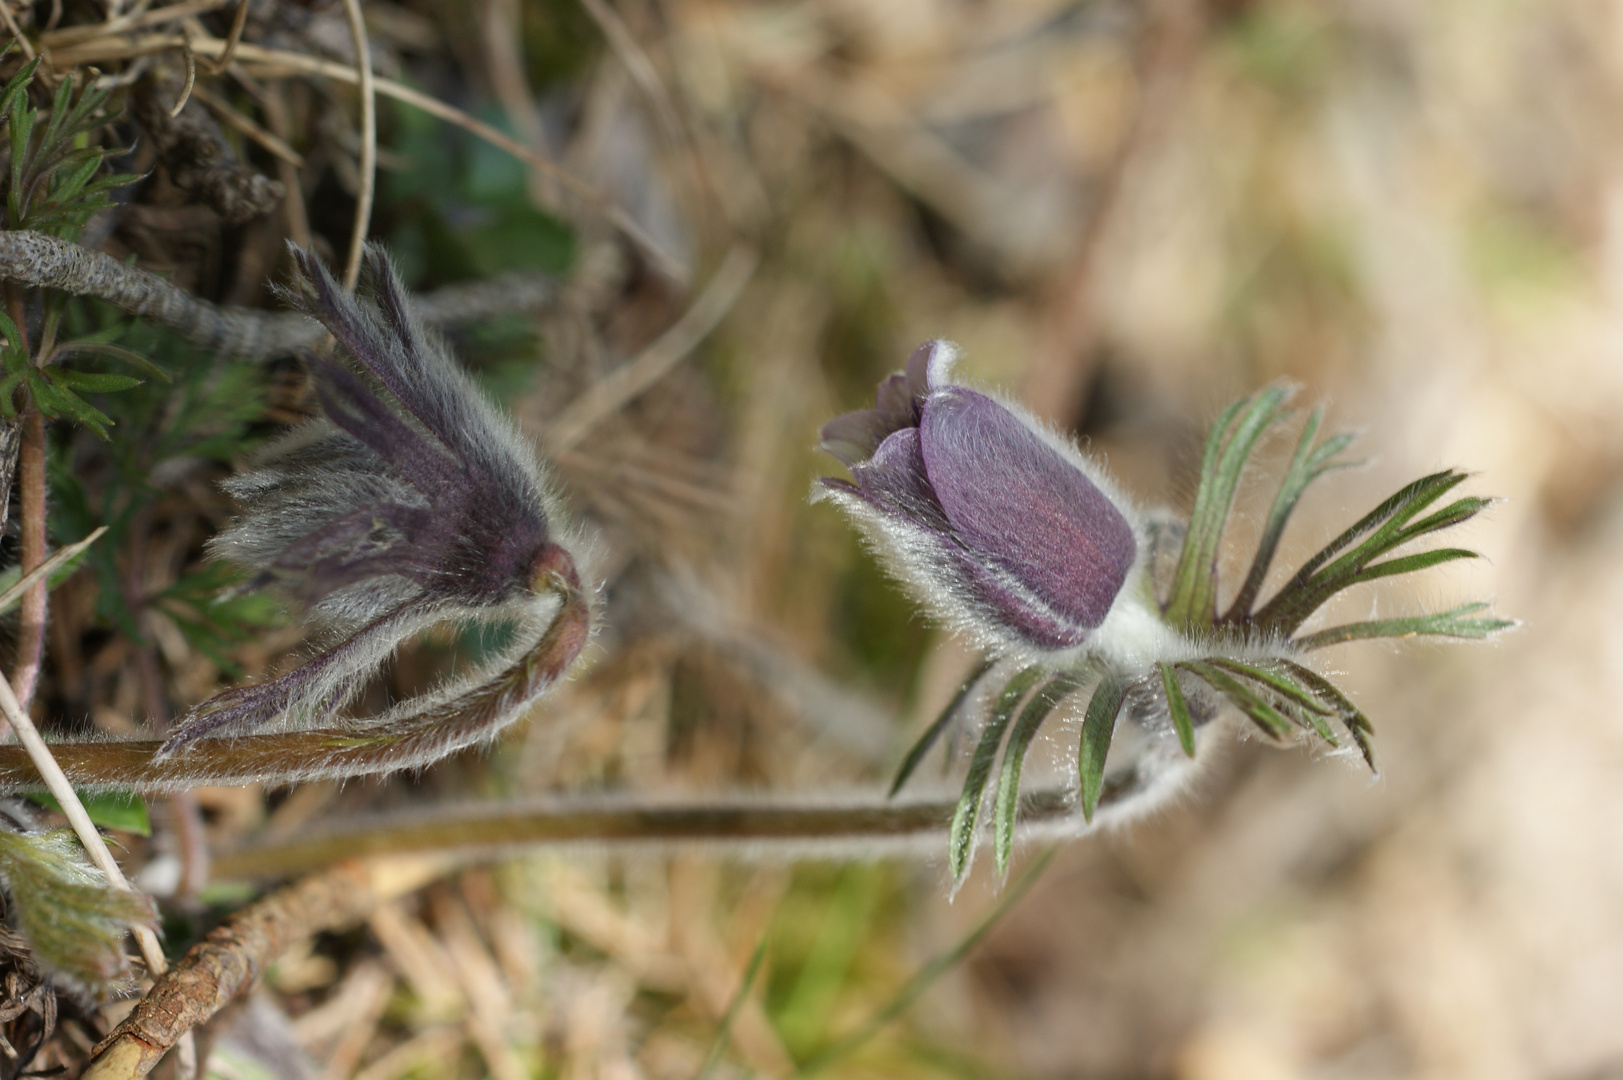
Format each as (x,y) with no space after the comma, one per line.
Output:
(229,960)
(44,261)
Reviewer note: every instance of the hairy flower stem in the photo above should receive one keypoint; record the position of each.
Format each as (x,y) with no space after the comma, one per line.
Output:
(772,828)
(411,739)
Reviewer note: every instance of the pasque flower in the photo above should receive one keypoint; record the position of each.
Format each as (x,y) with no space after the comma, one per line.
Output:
(412,502)
(1009,533)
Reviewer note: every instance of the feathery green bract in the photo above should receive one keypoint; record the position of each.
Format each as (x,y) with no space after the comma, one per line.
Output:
(1178,707)
(967,815)
(1098,727)
(1454,623)
(1194,584)
(1007,803)
(74,922)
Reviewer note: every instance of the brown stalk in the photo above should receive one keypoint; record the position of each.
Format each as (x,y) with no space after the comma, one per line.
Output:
(233,955)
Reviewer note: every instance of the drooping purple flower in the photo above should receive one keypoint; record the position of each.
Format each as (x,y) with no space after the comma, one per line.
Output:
(414,501)
(999,525)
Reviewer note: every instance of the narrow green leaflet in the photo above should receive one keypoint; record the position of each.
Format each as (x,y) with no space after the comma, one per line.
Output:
(1194,589)
(1357,723)
(1313,709)
(1454,623)
(1007,806)
(1179,708)
(1272,722)
(1307,465)
(965,817)
(1098,728)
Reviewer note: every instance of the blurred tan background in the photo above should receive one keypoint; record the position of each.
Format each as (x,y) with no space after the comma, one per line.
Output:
(1128,213)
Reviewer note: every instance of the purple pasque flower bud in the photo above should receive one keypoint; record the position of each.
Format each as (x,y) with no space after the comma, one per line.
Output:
(1007,532)
(414,501)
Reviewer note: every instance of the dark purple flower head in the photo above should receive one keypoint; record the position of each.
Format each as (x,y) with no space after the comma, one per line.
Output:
(414,501)
(999,524)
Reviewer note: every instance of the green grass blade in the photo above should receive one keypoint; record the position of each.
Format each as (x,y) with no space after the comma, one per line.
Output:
(1179,708)
(1273,723)
(1098,728)
(933,733)
(1454,623)
(1358,724)
(724,1030)
(964,819)
(926,976)
(1007,804)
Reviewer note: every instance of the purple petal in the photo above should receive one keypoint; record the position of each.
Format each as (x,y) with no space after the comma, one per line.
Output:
(895,478)
(896,482)
(1023,508)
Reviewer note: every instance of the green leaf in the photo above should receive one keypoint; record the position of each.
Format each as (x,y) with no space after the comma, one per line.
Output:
(17,87)
(93,382)
(74,922)
(1098,729)
(1358,724)
(1272,722)
(961,837)
(1307,465)
(115,352)
(14,337)
(125,811)
(1193,601)
(1320,578)
(933,733)
(1179,708)
(1007,804)
(1315,710)
(1453,623)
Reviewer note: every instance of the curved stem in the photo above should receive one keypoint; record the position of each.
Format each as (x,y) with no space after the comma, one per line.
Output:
(417,734)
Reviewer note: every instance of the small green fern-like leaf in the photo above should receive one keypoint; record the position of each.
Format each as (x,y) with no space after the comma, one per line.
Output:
(1007,805)
(968,812)
(74,922)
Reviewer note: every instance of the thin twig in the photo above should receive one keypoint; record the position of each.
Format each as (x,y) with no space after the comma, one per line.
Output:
(16,31)
(37,260)
(191,81)
(233,955)
(45,569)
(369,142)
(278,59)
(274,145)
(57,40)
(611,394)
(233,38)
